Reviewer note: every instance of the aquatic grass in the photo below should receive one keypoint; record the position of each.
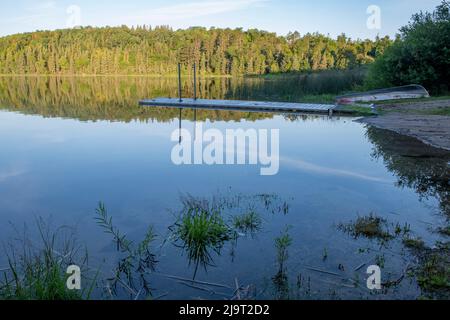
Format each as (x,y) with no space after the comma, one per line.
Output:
(282,244)
(204,226)
(433,274)
(105,222)
(414,243)
(136,261)
(371,227)
(249,222)
(200,232)
(280,280)
(37,268)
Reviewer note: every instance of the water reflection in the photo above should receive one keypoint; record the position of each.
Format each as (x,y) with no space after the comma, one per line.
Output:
(415,165)
(204,226)
(116,98)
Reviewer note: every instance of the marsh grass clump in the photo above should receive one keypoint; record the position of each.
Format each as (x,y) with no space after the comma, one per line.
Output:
(204,226)
(37,268)
(200,232)
(433,272)
(249,222)
(414,243)
(280,280)
(371,227)
(282,244)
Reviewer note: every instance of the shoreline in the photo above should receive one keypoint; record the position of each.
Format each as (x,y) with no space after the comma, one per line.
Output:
(428,121)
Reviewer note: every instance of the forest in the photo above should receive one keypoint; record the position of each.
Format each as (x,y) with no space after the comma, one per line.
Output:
(156,51)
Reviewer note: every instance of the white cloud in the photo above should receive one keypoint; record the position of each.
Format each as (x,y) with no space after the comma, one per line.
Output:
(36,12)
(191,10)
(314,168)
(11,173)
(43,6)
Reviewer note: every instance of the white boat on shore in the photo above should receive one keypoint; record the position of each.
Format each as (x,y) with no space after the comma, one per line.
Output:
(396,93)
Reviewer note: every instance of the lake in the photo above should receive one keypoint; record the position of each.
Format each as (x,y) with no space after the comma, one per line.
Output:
(70,143)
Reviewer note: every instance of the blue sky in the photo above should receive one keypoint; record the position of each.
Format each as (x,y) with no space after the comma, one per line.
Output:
(326,16)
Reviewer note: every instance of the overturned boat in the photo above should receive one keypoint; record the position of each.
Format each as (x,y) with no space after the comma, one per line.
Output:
(405,92)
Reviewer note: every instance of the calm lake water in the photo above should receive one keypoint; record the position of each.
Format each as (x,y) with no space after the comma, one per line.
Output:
(67,144)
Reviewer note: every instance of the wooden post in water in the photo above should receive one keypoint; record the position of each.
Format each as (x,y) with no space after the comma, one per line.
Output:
(179,83)
(180,127)
(195,81)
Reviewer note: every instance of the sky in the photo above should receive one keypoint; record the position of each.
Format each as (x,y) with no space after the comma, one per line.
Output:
(356,18)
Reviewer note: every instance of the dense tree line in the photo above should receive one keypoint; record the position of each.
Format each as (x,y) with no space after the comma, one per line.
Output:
(420,55)
(146,50)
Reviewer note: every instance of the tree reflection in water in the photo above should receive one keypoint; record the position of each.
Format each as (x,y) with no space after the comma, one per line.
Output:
(423,168)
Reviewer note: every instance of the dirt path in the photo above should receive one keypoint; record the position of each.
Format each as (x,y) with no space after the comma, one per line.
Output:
(411,119)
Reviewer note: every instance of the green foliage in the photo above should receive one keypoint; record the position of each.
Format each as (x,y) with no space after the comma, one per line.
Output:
(136,260)
(280,280)
(433,274)
(282,244)
(247,222)
(200,231)
(371,227)
(421,55)
(37,268)
(143,50)
(414,243)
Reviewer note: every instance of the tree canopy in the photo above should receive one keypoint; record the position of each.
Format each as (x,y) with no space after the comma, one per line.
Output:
(420,55)
(146,50)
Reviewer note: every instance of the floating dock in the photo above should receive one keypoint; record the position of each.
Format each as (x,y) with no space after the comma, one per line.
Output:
(239,105)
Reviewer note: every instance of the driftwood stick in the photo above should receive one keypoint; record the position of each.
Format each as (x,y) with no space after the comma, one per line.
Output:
(212,292)
(196,287)
(161,296)
(238,289)
(126,286)
(196,281)
(324,271)
(362,265)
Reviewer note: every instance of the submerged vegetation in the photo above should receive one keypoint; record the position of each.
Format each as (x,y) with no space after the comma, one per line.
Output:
(433,271)
(249,222)
(371,227)
(39,274)
(135,260)
(430,267)
(281,280)
(204,226)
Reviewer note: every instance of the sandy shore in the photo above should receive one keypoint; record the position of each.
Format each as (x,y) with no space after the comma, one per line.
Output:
(411,119)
